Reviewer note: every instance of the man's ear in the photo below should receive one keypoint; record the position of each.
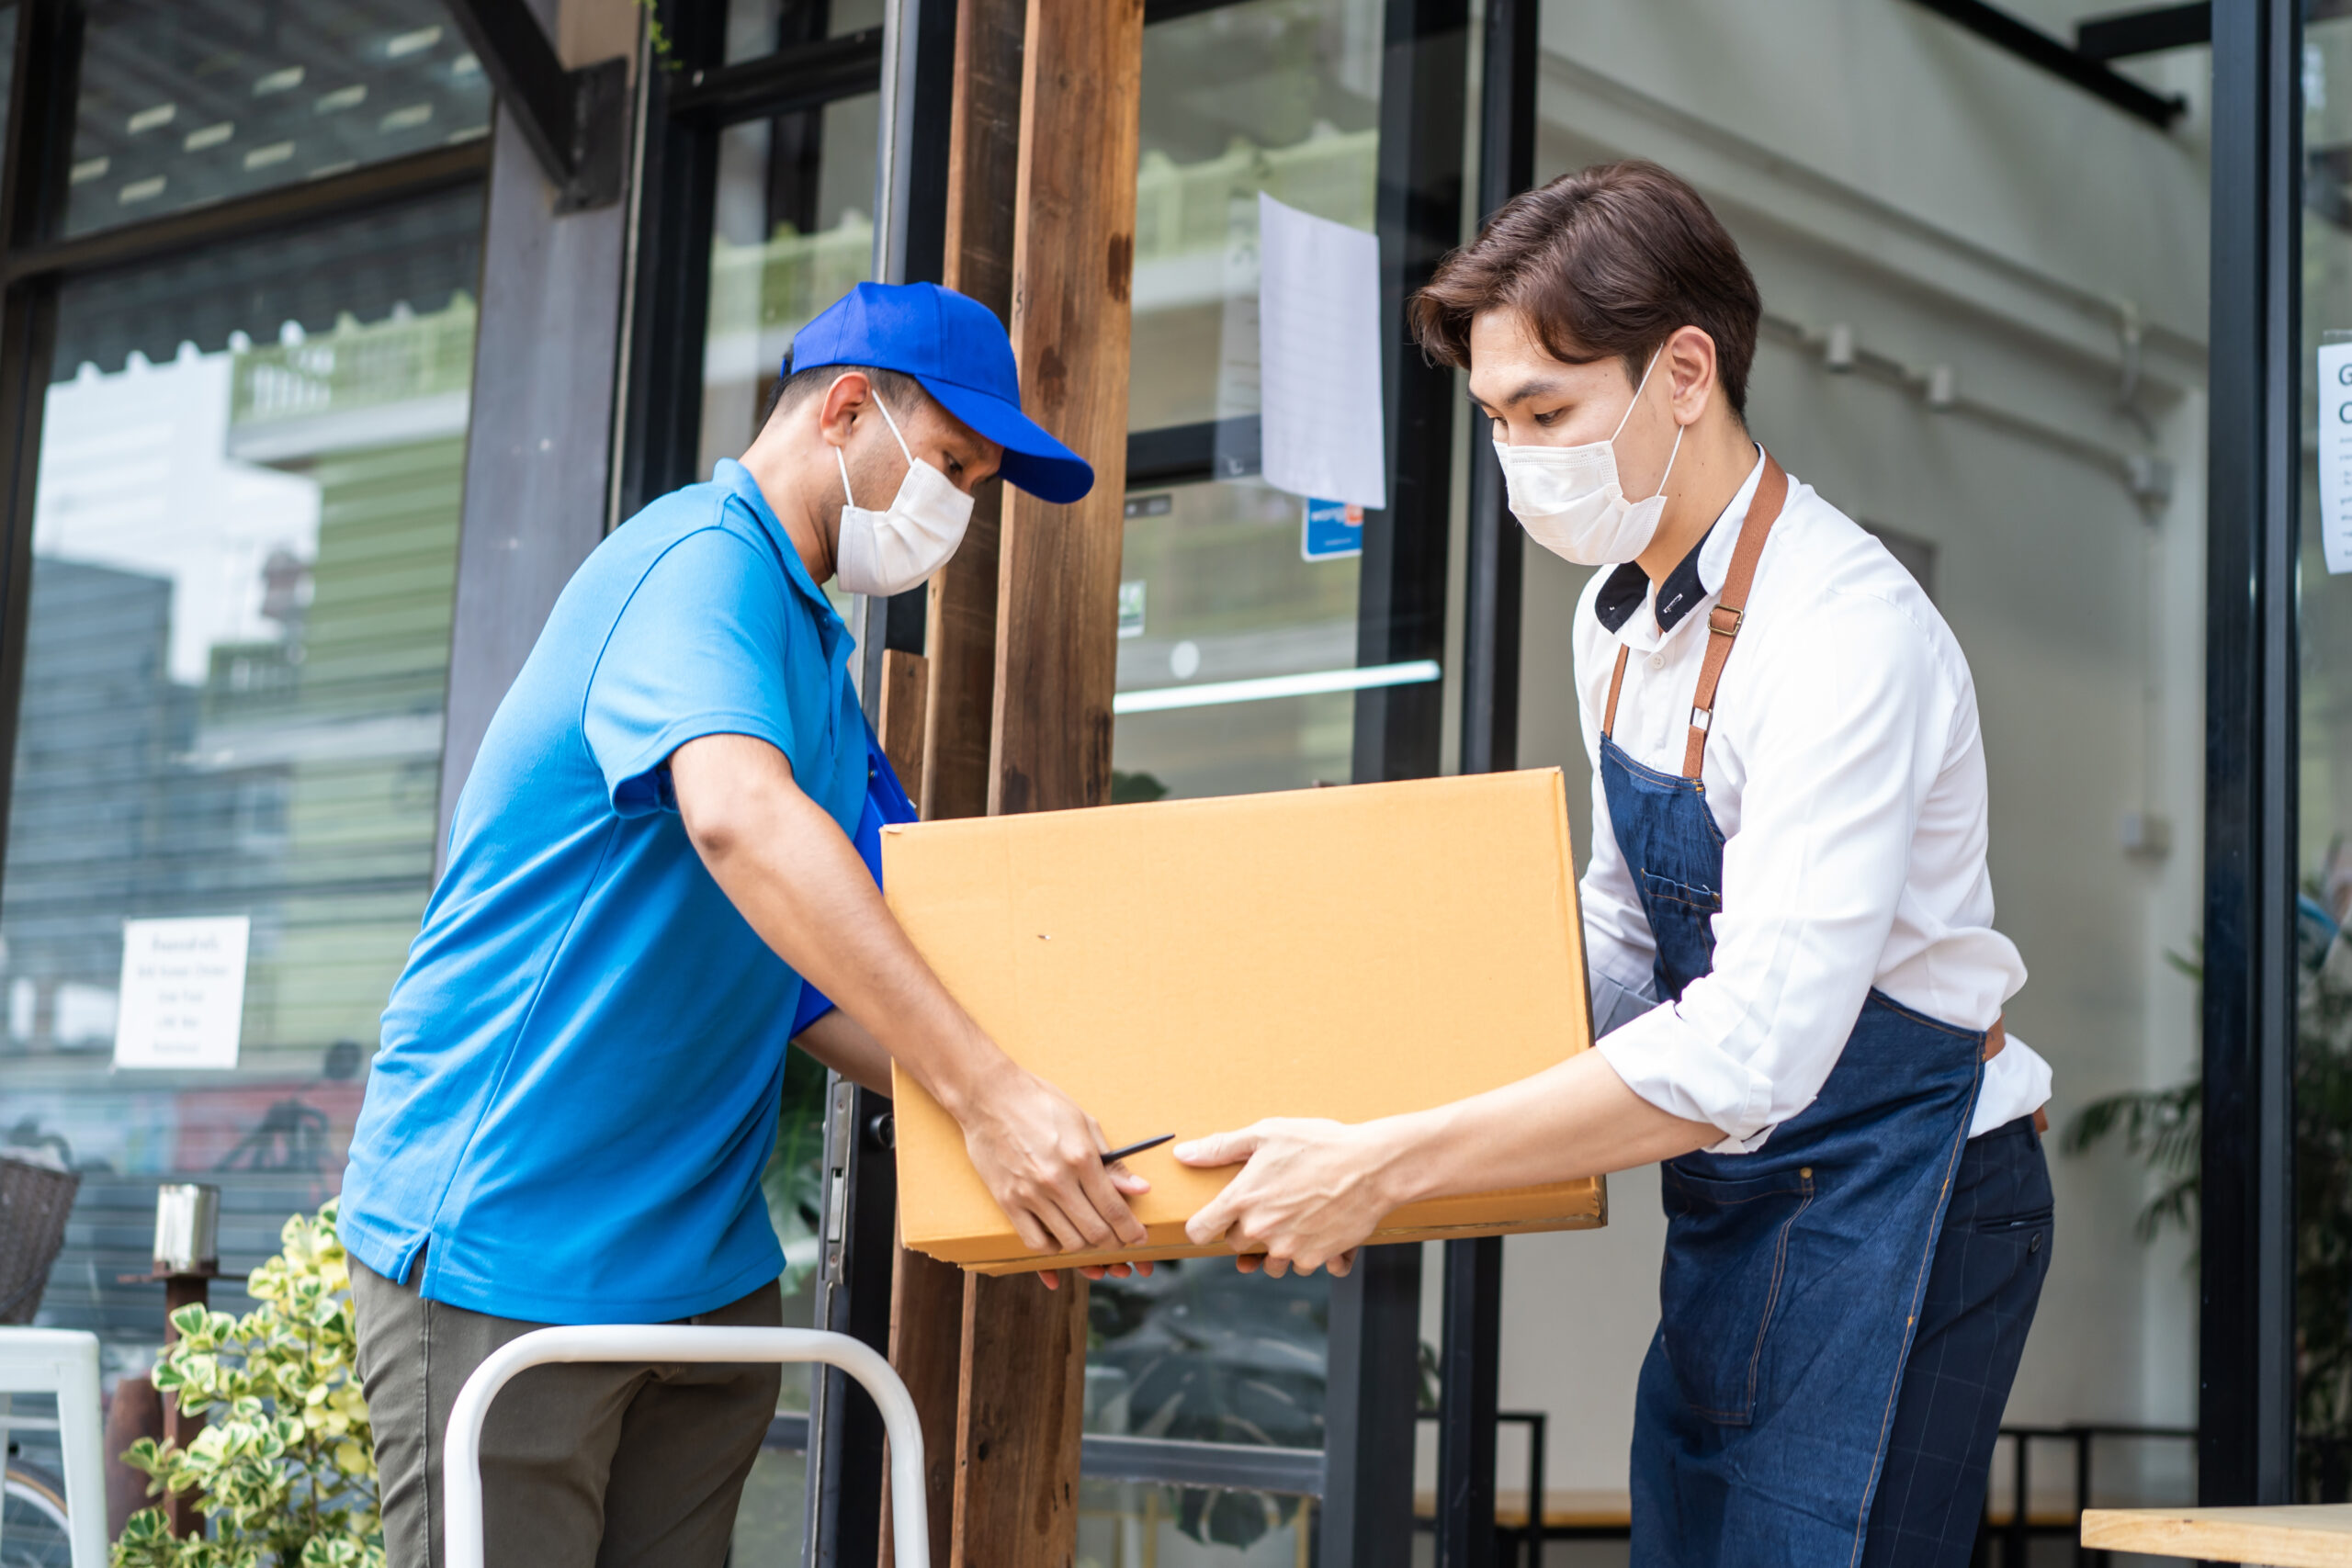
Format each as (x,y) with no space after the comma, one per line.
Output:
(839,408)
(1689,355)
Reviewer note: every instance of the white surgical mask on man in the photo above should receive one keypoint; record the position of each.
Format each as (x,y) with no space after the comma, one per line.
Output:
(882,553)
(1570,501)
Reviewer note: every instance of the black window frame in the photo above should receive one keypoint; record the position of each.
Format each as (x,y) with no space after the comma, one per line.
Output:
(34,162)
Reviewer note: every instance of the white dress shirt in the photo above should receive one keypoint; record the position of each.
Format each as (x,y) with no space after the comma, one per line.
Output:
(1846,774)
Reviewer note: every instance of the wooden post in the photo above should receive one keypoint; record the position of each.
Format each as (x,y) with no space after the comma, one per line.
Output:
(983,159)
(927,1296)
(1024,1362)
(1022,662)
(1074,252)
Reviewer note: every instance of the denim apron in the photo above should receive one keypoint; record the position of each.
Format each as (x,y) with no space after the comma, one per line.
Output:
(1794,1276)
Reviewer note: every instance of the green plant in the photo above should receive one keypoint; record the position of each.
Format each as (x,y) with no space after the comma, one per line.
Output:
(2165,1128)
(284,1468)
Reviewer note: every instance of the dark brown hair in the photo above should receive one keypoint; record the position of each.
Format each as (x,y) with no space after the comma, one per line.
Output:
(1614,259)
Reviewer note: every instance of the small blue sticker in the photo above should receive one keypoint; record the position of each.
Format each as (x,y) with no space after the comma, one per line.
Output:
(1333,531)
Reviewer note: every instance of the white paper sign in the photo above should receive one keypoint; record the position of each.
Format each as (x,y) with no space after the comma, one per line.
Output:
(2335,453)
(182,997)
(1318,357)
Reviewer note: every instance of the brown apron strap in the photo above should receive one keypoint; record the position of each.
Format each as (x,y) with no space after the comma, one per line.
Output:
(1723,621)
(1996,1038)
(1616,684)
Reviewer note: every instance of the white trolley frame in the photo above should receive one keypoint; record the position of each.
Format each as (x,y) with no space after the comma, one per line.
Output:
(461,1456)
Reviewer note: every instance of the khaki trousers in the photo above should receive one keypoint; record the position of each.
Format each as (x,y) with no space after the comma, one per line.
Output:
(583,1465)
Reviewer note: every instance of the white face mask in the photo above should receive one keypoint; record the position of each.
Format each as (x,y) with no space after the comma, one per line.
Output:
(1570,502)
(882,553)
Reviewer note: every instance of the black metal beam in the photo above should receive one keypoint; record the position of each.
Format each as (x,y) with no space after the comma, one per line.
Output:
(1402,597)
(575,122)
(1191,454)
(803,77)
(1495,564)
(1369,1411)
(418,174)
(32,183)
(844,1512)
(1468,1366)
(1233,1467)
(2245,1260)
(2036,47)
(2118,35)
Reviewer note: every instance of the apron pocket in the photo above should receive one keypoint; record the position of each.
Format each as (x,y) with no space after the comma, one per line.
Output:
(1727,1250)
(1682,923)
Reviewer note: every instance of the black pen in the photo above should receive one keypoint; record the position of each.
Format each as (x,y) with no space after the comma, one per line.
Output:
(1117,1155)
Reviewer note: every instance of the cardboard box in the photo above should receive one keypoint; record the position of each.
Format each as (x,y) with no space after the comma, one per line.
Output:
(1188,966)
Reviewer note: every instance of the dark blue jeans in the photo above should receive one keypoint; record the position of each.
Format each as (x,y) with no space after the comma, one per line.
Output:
(1990,1262)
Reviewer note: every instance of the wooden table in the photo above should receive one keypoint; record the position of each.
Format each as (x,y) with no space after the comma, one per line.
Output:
(2309,1536)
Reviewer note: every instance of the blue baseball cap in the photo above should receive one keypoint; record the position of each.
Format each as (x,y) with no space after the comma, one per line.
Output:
(957,349)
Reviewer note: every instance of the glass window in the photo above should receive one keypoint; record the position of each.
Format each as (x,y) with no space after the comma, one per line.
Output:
(1274,96)
(755,27)
(1938,242)
(1237,628)
(1238,610)
(793,231)
(1125,1525)
(244,544)
(2323,1041)
(180,105)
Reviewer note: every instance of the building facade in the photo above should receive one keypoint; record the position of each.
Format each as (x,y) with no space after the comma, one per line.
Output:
(318,382)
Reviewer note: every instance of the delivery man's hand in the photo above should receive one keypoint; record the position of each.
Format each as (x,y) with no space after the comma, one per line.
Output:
(792,872)
(1309,1195)
(1042,1160)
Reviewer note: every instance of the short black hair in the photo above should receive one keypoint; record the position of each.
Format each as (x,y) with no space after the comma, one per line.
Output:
(898,389)
(1610,260)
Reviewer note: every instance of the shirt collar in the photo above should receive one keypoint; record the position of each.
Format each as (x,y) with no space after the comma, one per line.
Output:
(1695,579)
(739,482)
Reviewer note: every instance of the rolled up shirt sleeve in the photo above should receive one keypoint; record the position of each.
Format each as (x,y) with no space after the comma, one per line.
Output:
(1836,775)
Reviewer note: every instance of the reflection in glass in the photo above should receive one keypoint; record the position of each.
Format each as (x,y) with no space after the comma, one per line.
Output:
(2323,1009)
(1274,96)
(1125,1525)
(181,104)
(793,231)
(236,655)
(1220,606)
(755,27)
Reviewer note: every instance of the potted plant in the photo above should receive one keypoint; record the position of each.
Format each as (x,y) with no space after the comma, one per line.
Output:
(284,1468)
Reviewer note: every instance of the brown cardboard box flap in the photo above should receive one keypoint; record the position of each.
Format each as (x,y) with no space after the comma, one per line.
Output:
(1189,966)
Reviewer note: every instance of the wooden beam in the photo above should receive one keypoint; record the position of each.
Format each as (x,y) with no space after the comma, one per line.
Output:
(984,151)
(926,1295)
(1073,264)
(1023,1365)
(1017,1430)
(951,778)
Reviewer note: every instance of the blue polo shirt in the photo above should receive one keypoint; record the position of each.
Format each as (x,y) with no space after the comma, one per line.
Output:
(583,1061)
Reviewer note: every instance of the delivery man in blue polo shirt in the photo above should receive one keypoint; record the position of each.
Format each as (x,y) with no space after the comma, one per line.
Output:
(582,1062)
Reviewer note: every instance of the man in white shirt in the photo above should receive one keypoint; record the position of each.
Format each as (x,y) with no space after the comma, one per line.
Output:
(1796,979)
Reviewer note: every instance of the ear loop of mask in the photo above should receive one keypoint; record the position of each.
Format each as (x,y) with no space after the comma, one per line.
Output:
(842,463)
(1623,419)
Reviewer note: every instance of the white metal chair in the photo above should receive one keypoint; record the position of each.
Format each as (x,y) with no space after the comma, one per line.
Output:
(461,1455)
(64,1362)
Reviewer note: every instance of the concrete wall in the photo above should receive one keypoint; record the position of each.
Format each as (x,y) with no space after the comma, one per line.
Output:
(1953,208)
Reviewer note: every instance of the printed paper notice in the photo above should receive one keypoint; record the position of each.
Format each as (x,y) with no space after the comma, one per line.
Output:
(182,997)
(1318,357)
(2335,453)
